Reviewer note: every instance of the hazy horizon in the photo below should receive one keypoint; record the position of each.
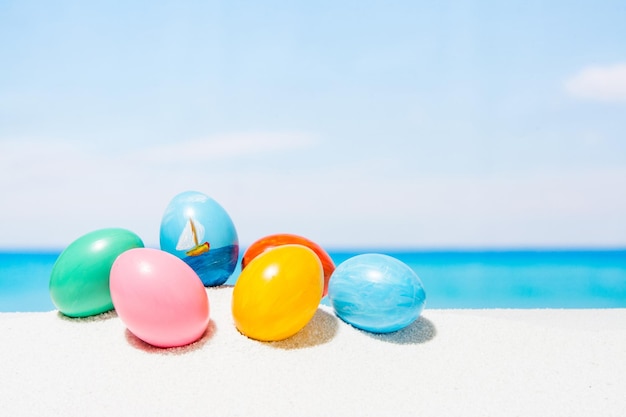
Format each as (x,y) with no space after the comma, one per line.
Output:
(367,249)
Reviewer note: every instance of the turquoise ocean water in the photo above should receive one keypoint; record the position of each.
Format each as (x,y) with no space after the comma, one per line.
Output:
(452,279)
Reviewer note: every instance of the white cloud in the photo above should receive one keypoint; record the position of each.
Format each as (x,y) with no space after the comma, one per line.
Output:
(601,83)
(227,146)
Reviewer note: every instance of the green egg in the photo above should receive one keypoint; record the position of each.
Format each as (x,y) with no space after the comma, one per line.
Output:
(79,282)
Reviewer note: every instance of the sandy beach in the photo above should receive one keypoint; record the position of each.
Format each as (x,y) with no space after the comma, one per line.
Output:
(449,362)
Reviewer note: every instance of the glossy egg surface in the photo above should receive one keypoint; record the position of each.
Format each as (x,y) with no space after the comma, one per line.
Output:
(159,297)
(278,293)
(376,293)
(272,241)
(79,281)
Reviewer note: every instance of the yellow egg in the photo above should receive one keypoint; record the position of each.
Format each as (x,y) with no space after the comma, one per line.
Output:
(277,293)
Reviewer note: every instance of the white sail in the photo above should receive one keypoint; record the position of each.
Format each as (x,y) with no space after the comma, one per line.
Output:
(187,240)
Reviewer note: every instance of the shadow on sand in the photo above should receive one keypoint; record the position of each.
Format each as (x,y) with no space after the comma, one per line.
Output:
(139,344)
(107,315)
(321,329)
(421,330)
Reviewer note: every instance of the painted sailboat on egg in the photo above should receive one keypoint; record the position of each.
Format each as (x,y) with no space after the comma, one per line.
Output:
(190,239)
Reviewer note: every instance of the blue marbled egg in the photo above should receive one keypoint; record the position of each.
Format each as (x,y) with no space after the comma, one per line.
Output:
(199,231)
(377,293)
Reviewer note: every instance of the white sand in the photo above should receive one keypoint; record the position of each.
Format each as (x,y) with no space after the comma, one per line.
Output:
(449,363)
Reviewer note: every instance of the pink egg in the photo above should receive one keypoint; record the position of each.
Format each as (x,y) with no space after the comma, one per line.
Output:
(159,297)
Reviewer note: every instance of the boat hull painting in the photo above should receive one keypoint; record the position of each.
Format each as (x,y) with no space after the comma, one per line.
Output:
(215,266)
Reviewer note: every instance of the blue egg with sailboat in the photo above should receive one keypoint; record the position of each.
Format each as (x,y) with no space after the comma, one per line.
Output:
(198,230)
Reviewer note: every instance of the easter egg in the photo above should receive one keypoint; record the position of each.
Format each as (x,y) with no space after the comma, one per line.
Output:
(196,229)
(79,281)
(376,293)
(159,297)
(272,241)
(278,293)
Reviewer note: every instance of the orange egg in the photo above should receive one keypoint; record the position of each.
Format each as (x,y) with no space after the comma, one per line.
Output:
(278,293)
(272,241)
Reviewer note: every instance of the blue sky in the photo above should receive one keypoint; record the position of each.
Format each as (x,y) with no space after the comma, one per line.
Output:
(362,124)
